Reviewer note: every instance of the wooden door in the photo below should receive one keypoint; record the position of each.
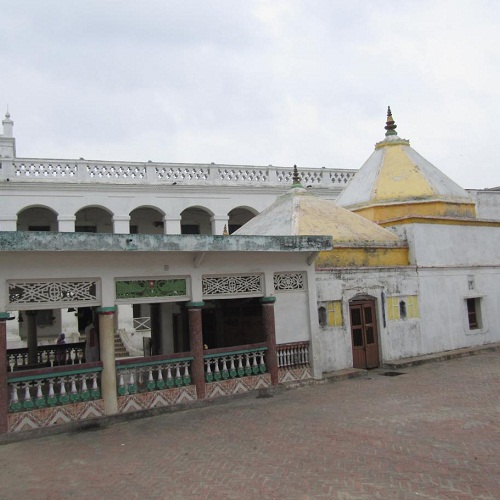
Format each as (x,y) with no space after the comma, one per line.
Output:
(364,334)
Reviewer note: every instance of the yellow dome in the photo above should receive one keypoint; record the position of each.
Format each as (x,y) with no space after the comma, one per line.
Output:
(396,181)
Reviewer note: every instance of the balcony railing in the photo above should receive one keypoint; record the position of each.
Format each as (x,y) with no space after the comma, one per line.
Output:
(55,386)
(293,355)
(230,363)
(79,171)
(47,356)
(153,373)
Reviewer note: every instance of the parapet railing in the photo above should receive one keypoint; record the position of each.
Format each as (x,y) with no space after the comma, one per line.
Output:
(81,171)
(153,373)
(54,386)
(229,363)
(47,356)
(293,355)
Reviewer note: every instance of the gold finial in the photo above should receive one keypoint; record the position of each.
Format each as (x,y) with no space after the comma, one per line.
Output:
(390,124)
(224,231)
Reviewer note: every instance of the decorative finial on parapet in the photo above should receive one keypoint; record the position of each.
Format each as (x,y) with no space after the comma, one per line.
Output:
(224,231)
(390,124)
(7,124)
(296,177)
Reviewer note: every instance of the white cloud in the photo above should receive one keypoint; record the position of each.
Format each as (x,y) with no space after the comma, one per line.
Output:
(257,82)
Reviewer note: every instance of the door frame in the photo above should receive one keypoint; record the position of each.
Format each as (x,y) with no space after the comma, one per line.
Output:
(366,354)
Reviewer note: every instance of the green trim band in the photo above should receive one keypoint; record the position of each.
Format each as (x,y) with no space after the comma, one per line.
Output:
(106,310)
(195,304)
(268,300)
(222,354)
(5,315)
(152,363)
(54,375)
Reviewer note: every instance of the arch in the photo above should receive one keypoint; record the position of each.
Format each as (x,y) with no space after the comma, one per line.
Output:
(196,220)
(94,219)
(146,220)
(37,218)
(239,216)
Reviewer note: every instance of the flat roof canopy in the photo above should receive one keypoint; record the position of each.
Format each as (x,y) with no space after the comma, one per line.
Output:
(36,241)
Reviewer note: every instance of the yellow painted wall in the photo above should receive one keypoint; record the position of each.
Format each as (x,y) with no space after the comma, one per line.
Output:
(334,313)
(394,311)
(364,257)
(381,213)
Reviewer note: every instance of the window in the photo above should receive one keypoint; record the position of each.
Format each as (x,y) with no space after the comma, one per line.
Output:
(190,229)
(473,312)
(322,316)
(38,228)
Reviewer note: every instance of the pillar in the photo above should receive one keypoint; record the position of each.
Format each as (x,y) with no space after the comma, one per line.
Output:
(66,223)
(196,343)
(171,225)
(4,392)
(8,222)
(107,351)
(218,224)
(121,224)
(269,328)
(32,337)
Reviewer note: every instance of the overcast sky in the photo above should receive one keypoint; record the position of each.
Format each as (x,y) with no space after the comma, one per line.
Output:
(254,82)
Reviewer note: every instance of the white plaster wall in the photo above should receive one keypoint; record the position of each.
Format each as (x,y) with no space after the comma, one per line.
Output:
(444,312)
(291,311)
(396,338)
(448,245)
(487,203)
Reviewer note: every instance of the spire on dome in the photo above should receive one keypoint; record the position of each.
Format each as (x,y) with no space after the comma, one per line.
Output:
(296,178)
(390,124)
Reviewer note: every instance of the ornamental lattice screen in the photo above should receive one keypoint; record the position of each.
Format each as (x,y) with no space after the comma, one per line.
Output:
(238,285)
(289,281)
(53,294)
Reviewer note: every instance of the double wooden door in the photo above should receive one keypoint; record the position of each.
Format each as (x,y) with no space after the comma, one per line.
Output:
(365,351)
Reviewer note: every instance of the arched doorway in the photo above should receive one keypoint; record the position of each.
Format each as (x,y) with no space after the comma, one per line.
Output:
(196,220)
(37,219)
(93,220)
(364,332)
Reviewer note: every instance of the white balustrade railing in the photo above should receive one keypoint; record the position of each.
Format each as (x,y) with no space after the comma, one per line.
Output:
(45,389)
(235,364)
(133,377)
(77,171)
(293,355)
(47,355)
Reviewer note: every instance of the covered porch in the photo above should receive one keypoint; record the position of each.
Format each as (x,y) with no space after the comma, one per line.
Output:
(213,303)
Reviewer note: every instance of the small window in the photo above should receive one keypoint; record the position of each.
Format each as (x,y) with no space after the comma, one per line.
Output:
(85,229)
(322,316)
(473,311)
(402,309)
(38,228)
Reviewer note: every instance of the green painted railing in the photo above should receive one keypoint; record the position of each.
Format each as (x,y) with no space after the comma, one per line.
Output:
(54,386)
(153,373)
(234,364)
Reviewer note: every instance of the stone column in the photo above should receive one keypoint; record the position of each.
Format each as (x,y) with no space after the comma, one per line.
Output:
(270,334)
(196,344)
(171,225)
(66,223)
(32,337)
(107,352)
(121,224)
(4,392)
(218,224)
(8,222)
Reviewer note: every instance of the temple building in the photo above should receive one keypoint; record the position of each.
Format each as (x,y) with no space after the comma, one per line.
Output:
(178,282)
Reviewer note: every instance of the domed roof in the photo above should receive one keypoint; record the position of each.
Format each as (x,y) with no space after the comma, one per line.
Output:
(396,174)
(299,212)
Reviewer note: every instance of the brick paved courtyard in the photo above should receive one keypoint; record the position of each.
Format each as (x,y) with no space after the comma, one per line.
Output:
(433,432)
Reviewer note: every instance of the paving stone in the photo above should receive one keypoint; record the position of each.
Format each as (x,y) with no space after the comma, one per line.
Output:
(432,432)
